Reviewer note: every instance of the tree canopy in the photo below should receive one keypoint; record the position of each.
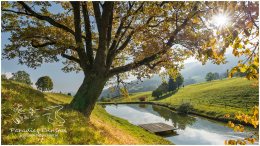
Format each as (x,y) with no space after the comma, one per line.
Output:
(136,32)
(210,76)
(163,88)
(22,77)
(44,83)
(173,84)
(3,76)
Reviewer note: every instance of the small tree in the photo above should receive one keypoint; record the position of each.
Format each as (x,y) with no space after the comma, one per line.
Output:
(163,87)
(209,76)
(216,76)
(157,93)
(179,80)
(3,77)
(172,85)
(22,77)
(44,83)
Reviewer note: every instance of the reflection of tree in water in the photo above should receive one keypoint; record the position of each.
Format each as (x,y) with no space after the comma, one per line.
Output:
(178,120)
(142,105)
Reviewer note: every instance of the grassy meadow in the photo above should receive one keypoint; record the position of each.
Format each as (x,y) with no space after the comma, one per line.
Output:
(102,129)
(214,99)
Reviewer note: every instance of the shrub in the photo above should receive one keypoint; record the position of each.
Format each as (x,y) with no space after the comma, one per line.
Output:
(142,98)
(69,94)
(105,99)
(185,108)
(157,93)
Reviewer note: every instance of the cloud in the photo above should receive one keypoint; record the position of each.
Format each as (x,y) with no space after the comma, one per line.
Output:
(8,74)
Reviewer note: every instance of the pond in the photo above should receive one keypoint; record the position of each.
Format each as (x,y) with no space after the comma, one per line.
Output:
(190,129)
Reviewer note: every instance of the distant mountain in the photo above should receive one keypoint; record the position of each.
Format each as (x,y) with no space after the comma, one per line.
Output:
(193,72)
(197,71)
(136,86)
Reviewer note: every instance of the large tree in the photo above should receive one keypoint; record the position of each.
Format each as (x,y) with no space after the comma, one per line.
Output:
(108,39)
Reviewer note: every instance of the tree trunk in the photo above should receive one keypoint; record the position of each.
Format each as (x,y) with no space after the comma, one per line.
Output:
(85,99)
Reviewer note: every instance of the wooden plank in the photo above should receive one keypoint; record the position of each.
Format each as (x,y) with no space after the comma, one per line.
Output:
(157,127)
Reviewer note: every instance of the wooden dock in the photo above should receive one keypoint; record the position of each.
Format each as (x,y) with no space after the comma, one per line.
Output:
(158,128)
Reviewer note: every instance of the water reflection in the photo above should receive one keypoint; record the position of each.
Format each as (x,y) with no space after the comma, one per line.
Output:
(178,120)
(191,130)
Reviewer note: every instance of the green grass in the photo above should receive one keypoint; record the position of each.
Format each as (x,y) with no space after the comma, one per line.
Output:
(135,97)
(218,98)
(214,99)
(102,128)
(58,98)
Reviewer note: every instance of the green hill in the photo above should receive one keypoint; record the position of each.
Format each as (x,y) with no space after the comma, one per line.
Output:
(214,99)
(219,97)
(25,121)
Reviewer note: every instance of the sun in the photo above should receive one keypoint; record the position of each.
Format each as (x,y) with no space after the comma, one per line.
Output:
(220,20)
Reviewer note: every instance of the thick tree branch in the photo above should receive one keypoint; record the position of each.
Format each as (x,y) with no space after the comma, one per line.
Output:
(134,65)
(97,14)
(103,31)
(88,39)
(109,31)
(78,38)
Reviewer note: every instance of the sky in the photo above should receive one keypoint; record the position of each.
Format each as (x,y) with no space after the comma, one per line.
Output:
(65,82)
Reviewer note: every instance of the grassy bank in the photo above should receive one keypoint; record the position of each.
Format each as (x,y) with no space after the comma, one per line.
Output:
(103,129)
(212,99)
(135,97)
